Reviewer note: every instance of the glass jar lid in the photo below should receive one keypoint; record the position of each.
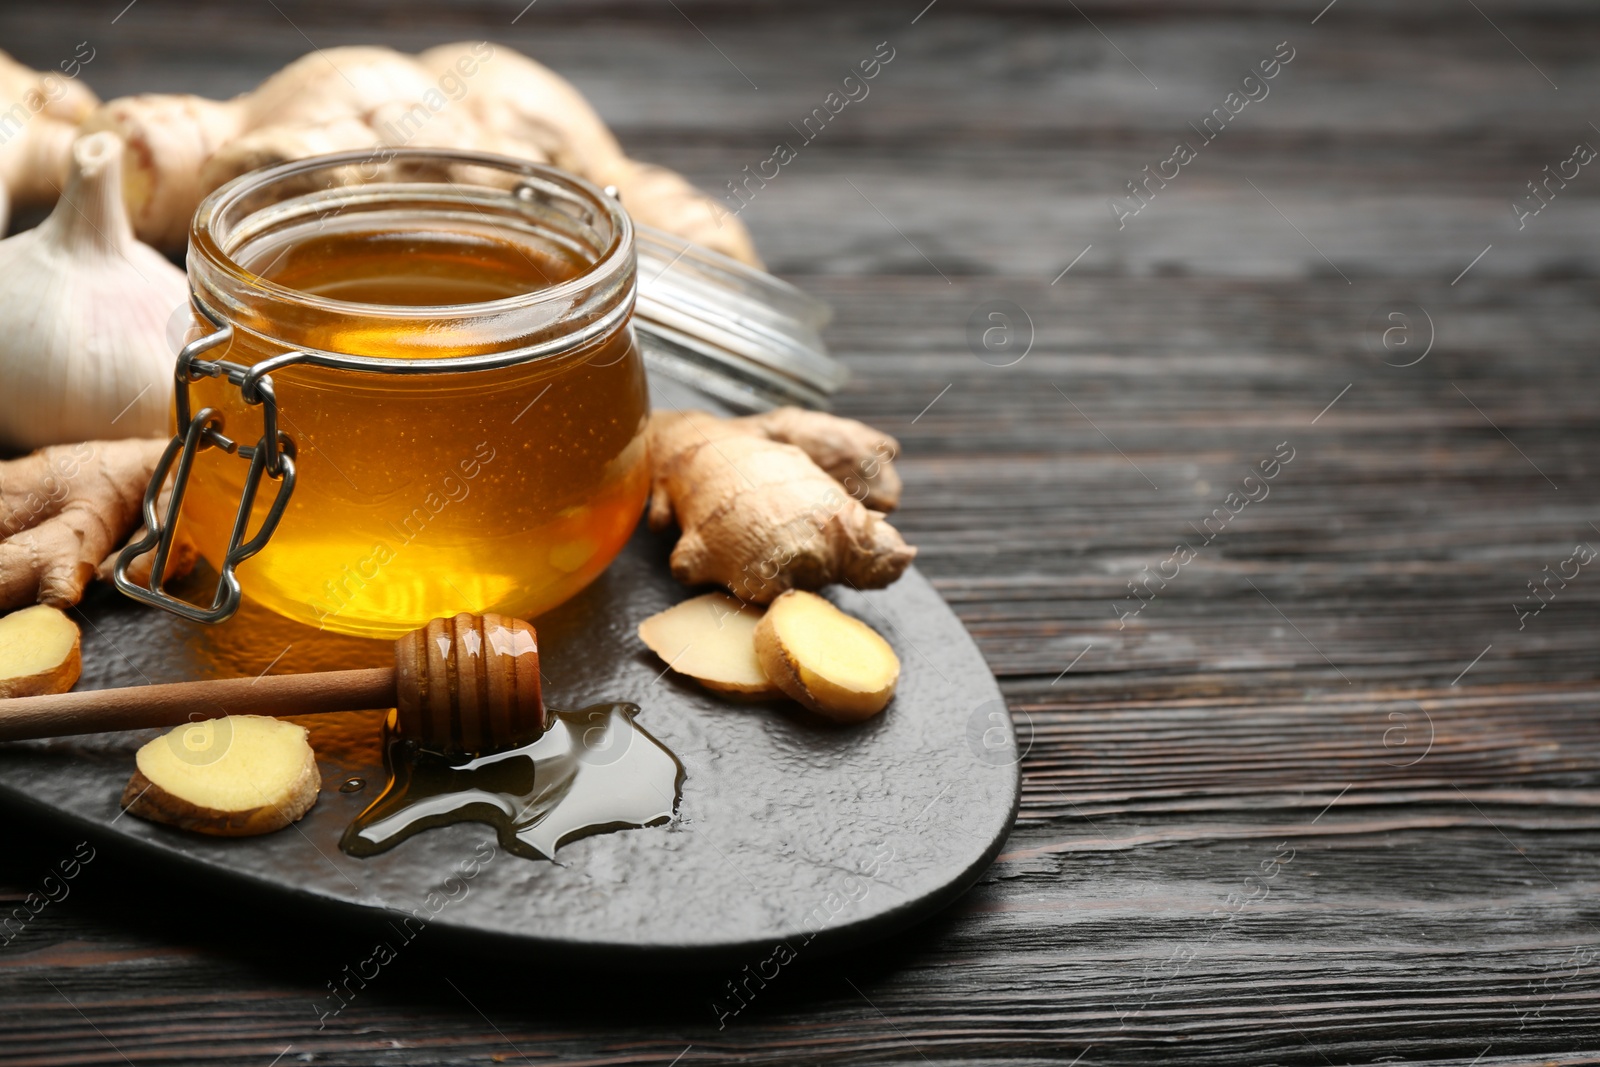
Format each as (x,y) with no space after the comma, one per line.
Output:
(735,333)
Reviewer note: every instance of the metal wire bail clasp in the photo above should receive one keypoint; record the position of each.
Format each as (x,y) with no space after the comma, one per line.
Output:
(272,456)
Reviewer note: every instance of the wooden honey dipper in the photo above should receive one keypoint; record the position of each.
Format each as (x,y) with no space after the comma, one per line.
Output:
(467,684)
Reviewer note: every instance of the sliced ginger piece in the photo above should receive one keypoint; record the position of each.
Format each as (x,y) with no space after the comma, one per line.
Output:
(235,776)
(711,639)
(834,664)
(38,652)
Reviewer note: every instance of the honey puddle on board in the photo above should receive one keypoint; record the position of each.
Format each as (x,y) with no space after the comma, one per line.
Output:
(593,771)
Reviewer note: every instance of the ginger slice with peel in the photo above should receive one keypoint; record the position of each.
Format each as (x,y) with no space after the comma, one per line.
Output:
(711,639)
(38,652)
(834,664)
(236,776)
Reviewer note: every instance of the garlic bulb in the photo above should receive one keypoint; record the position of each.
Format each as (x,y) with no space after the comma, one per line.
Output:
(83,314)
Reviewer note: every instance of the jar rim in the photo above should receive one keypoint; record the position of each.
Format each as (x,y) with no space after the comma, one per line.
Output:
(207,245)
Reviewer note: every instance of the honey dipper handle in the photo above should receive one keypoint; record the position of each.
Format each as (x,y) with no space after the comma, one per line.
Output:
(95,710)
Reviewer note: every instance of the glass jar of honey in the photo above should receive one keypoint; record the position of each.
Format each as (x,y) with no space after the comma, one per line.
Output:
(415,391)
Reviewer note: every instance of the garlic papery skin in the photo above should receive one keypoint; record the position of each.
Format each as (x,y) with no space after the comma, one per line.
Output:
(83,314)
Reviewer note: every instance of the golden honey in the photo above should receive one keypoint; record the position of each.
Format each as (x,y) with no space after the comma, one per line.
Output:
(420,495)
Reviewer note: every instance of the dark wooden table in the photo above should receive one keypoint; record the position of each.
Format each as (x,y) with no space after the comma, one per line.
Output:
(1332,795)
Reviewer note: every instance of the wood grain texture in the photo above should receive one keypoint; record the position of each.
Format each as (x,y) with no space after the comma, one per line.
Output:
(1328,797)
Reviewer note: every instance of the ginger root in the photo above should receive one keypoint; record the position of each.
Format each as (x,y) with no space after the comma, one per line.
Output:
(711,638)
(760,516)
(466,95)
(39,115)
(38,652)
(66,510)
(854,454)
(235,776)
(834,664)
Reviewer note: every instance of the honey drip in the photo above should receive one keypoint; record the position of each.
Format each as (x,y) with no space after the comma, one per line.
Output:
(593,771)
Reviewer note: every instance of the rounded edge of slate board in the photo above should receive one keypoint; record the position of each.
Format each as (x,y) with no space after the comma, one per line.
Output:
(789,829)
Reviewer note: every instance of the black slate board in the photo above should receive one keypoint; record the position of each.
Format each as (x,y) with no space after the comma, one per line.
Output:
(789,829)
